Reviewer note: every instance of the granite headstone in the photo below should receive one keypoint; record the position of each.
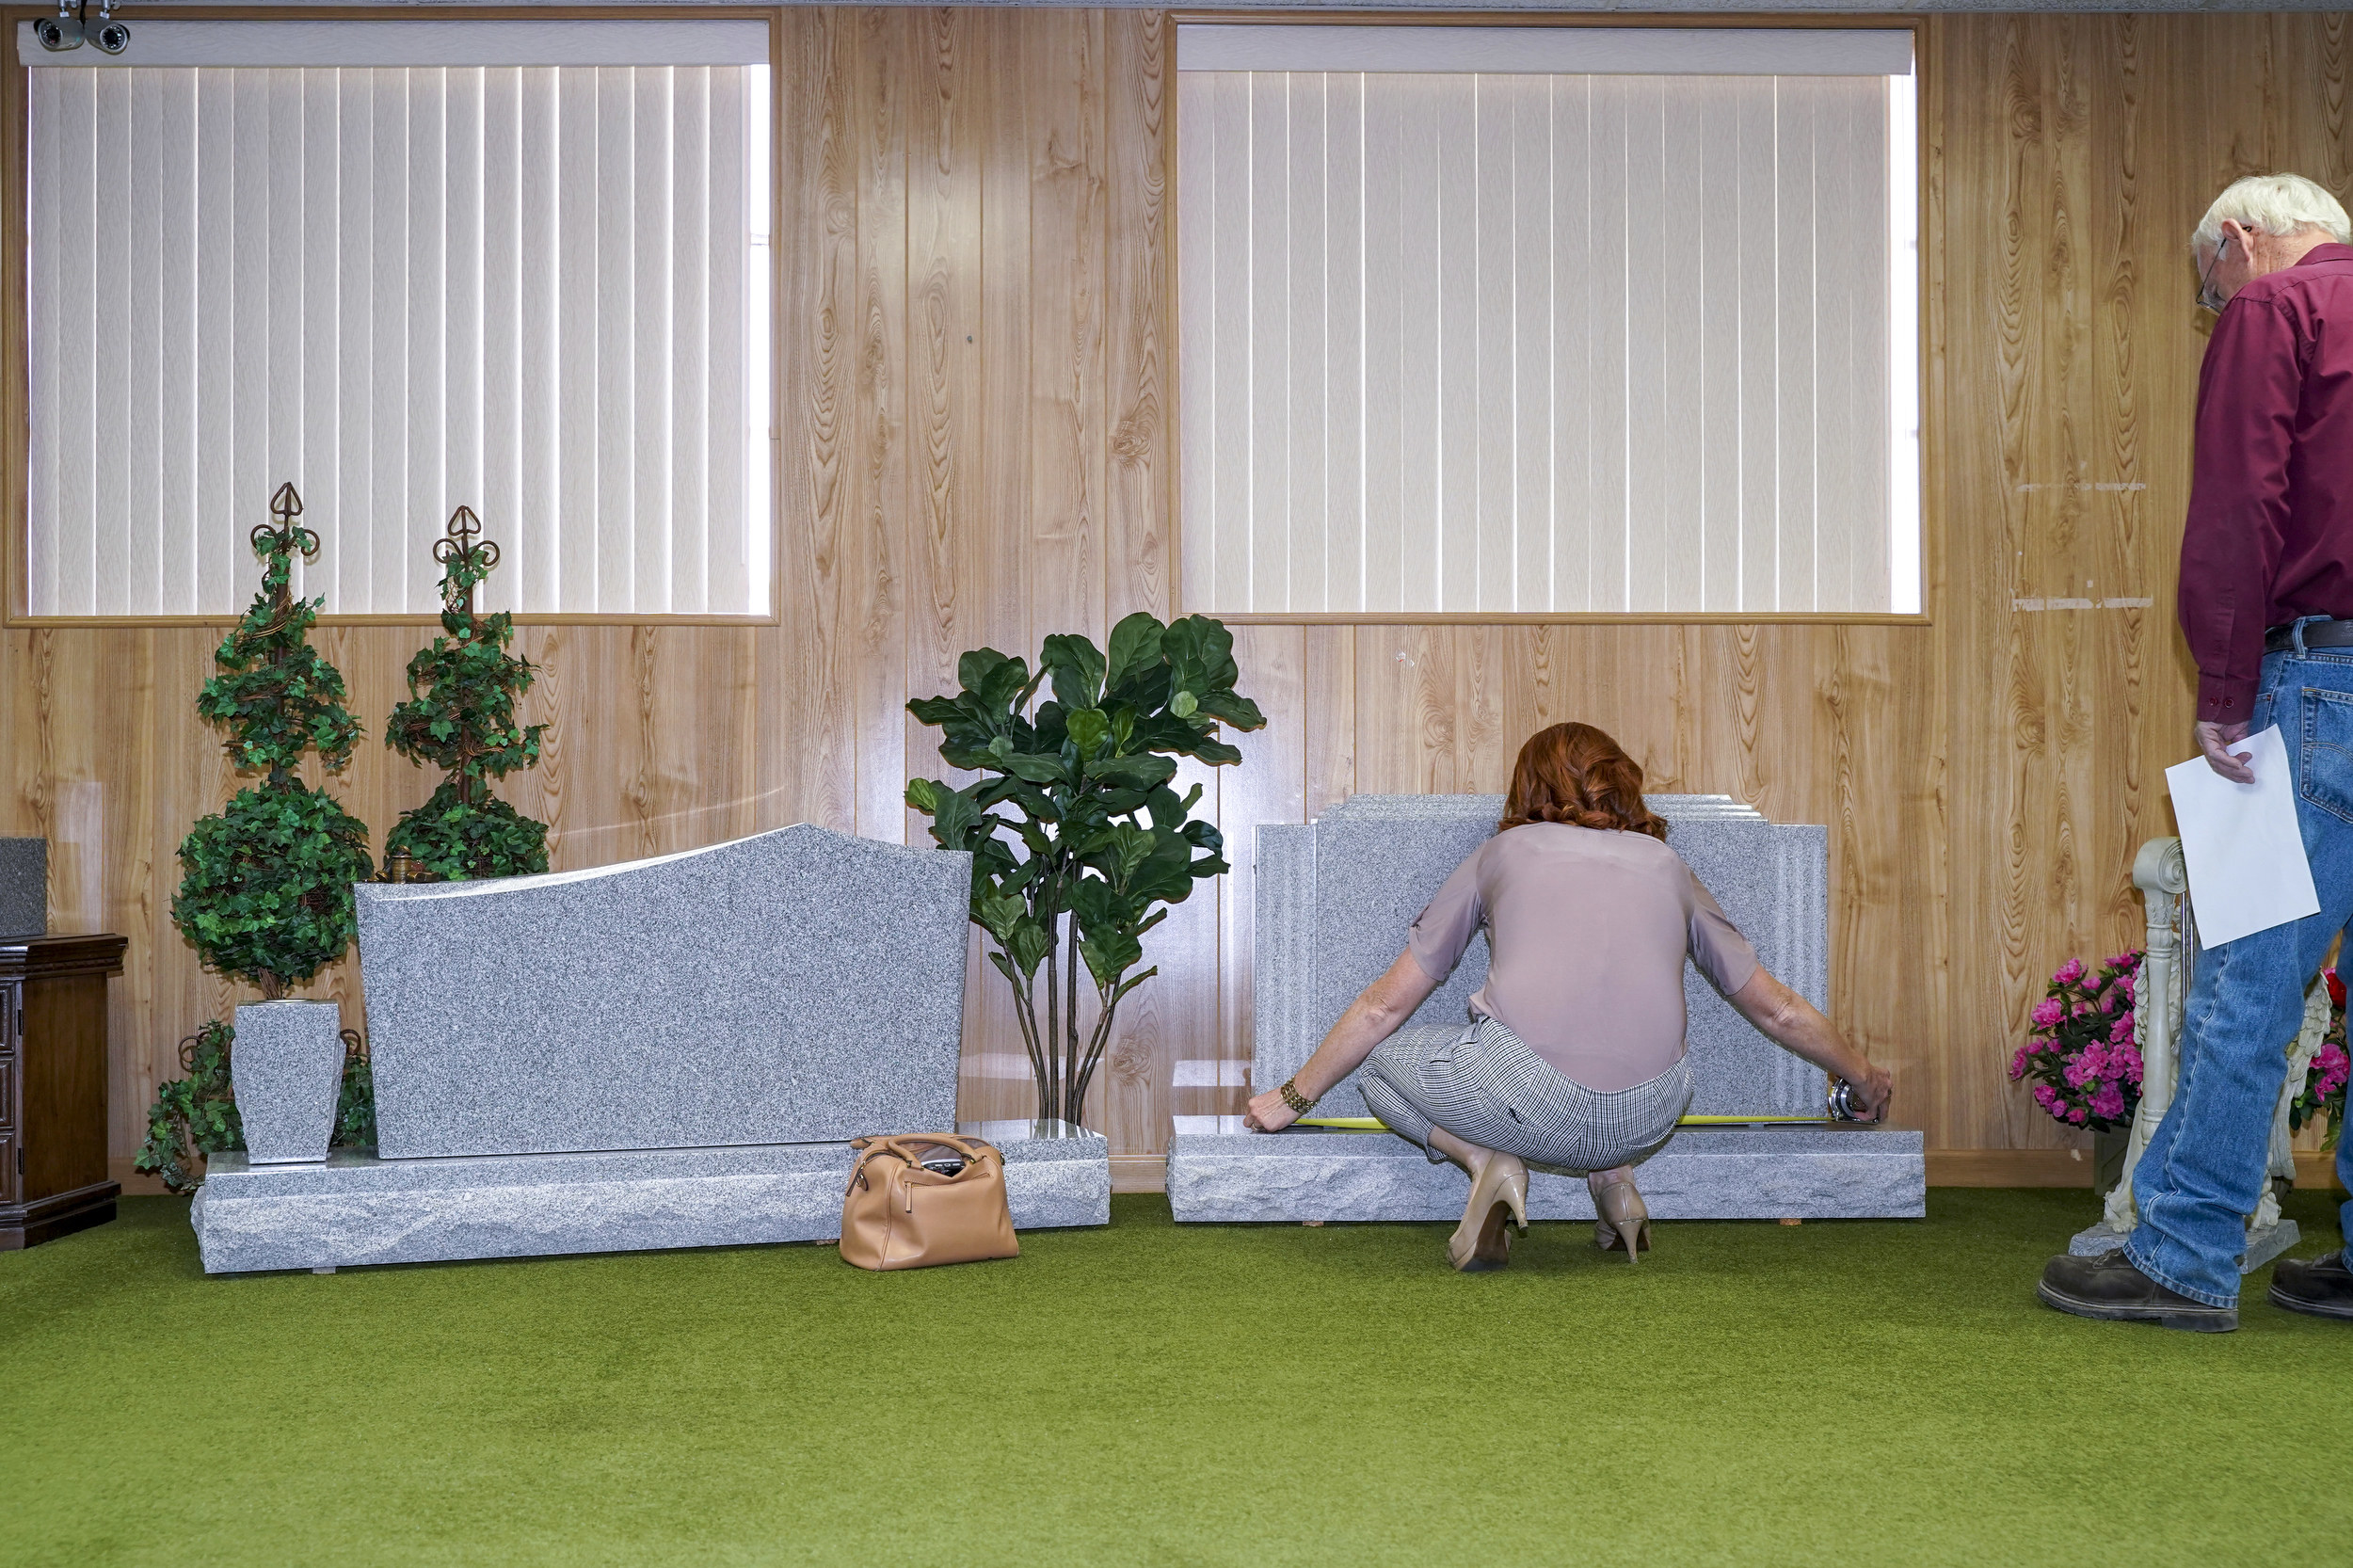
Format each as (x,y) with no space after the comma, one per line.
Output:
(795,987)
(24,888)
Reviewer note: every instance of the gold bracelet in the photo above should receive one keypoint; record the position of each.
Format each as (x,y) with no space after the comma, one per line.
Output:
(1299,1103)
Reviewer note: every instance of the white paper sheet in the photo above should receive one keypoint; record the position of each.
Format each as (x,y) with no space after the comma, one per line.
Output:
(2245,853)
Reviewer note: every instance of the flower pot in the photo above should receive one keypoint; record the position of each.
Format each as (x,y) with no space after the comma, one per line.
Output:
(2107,1157)
(286,1069)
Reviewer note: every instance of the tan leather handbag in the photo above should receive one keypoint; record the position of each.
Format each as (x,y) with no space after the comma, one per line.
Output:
(897,1214)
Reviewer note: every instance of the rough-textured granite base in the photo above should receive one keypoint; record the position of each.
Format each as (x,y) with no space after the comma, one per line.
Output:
(795,987)
(24,887)
(1335,898)
(359,1209)
(286,1069)
(2261,1245)
(1819,1172)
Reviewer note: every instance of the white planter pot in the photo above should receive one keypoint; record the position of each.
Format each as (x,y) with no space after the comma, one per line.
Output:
(286,1068)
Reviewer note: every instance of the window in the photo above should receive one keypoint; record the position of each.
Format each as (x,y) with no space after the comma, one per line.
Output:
(1547,320)
(519,265)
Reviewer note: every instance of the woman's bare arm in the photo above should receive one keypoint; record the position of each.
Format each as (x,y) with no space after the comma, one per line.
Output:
(1371,1018)
(1797,1025)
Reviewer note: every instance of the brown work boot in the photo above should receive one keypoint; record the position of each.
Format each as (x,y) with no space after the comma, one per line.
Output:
(2110,1289)
(2320,1286)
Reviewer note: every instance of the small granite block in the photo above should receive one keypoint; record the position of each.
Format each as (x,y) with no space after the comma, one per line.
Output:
(24,888)
(1783,1173)
(2261,1245)
(286,1068)
(360,1209)
(795,987)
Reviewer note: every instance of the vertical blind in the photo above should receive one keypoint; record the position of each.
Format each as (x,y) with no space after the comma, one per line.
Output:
(540,291)
(1485,342)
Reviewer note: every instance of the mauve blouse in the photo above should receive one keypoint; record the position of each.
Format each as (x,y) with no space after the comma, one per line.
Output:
(1587,930)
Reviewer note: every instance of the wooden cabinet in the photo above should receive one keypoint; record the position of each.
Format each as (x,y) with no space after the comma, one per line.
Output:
(53,1086)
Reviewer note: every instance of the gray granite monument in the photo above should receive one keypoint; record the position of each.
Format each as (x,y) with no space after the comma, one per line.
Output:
(24,887)
(1333,900)
(667,1053)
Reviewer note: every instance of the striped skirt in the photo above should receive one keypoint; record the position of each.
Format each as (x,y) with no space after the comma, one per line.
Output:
(1486,1086)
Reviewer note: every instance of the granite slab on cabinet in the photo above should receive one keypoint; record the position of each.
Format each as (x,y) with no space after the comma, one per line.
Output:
(670,1052)
(1333,900)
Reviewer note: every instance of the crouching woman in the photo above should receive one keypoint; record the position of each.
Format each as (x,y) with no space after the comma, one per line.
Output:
(1573,1056)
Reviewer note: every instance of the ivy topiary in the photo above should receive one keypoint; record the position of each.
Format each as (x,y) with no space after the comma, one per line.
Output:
(460,719)
(196,1109)
(266,886)
(265,890)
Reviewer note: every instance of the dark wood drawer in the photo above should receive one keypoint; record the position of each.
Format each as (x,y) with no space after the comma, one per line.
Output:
(7,1093)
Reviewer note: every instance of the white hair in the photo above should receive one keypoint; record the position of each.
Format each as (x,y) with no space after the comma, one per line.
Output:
(2276,204)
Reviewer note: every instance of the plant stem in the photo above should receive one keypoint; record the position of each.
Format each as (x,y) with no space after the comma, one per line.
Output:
(1070,1075)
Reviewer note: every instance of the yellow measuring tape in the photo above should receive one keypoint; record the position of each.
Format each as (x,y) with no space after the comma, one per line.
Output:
(1373,1123)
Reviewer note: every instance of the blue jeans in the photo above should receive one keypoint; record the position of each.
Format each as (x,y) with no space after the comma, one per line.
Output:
(2205,1171)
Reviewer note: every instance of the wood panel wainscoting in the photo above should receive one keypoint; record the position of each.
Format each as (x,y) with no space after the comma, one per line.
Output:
(976,327)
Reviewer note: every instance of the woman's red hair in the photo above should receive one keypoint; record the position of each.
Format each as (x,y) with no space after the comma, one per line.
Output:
(1575,774)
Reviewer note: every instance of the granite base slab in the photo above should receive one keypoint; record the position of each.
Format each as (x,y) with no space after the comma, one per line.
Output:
(2261,1245)
(357,1209)
(1795,1172)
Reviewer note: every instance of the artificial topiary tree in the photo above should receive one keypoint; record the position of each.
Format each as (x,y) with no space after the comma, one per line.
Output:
(1099,841)
(266,886)
(460,719)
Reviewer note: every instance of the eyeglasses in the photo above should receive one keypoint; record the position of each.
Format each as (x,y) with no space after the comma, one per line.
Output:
(2207,299)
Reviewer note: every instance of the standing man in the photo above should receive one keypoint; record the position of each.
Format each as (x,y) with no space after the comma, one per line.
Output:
(2266,604)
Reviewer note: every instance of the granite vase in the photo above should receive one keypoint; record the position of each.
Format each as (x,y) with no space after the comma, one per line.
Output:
(285,1069)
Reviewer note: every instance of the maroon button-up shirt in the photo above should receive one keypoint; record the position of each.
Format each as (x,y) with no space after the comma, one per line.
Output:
(2270,530)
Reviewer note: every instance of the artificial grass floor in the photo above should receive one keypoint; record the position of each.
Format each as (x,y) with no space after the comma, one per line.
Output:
(1150,1393)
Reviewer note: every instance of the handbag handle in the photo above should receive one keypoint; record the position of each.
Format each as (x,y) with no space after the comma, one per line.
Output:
(906,1148)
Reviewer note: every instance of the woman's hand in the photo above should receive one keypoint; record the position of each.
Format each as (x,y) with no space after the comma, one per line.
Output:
(1268,1113)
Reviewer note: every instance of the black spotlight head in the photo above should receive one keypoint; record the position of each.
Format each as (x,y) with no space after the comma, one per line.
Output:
(112,37)
(58,34)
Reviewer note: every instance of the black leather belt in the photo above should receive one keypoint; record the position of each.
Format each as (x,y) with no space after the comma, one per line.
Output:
(2319,634)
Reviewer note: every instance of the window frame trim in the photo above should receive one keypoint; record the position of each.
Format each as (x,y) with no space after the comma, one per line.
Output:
(1928,313)
(15,310)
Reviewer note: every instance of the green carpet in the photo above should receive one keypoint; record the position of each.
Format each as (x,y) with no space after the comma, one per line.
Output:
(1853,1392)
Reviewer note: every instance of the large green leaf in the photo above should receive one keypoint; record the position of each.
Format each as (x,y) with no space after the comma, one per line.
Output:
(1077,670)
(1138,772)
(1135,644)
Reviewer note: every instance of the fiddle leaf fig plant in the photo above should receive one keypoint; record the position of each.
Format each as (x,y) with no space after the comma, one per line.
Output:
(460,719)
(1078,840)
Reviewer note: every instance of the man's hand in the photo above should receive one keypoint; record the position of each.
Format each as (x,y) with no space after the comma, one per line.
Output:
(1870,1094)
(2216,741)
(1268,1113)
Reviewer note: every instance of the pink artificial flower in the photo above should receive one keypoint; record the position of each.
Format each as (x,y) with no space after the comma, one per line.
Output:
(2069,972)
(2109,1104)
(2076,1116)
(2128,1057)
(2018,1065)
(2334,1070)
(2121,1031)
(2050,1010)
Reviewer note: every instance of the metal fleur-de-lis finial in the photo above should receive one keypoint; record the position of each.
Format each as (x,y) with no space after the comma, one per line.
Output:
(471,562)
(287,535)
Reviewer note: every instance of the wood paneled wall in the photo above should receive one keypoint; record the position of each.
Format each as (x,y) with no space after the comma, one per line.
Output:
(976,326)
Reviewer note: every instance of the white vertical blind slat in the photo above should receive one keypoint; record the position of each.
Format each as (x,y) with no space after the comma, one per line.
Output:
(542,293)
(112,559)
(1197,315)
(690,301)
(1520,343)
(650,224)
(177,521)
(501,310)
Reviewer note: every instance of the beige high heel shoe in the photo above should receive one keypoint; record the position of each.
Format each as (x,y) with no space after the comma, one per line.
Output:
(1624,1221)
(1498,1192)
